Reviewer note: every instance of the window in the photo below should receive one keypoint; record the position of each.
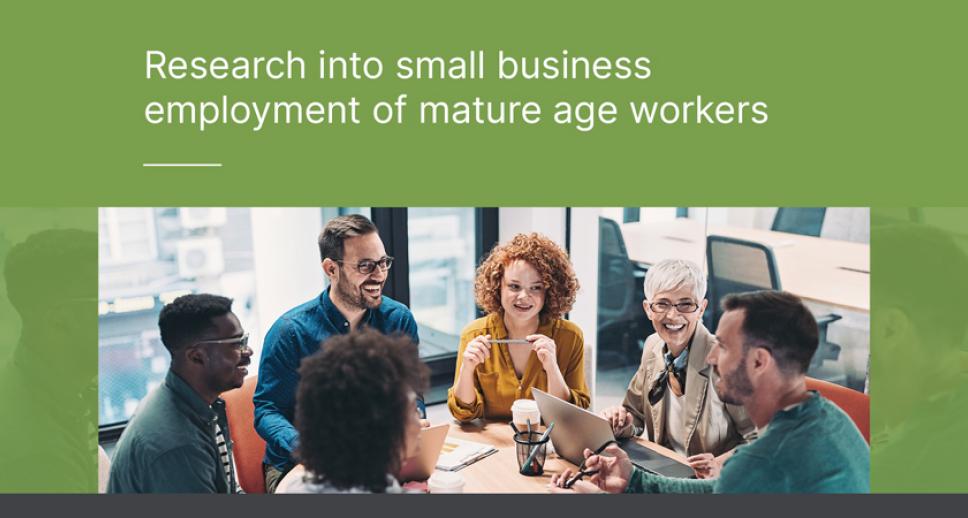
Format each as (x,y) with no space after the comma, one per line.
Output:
(799,239)
(150,256)
(444,246)
(126,235)
(442,263)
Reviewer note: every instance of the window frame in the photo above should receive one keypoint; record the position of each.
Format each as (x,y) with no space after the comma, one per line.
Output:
(393,230)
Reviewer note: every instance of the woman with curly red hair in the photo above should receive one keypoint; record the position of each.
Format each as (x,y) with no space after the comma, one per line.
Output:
(526,286)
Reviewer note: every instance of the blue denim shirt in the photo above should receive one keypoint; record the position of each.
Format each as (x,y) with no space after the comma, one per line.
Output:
(295,335)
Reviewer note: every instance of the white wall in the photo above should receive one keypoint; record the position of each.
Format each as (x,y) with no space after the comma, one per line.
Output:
(549,221)
(286,257)
(584,257)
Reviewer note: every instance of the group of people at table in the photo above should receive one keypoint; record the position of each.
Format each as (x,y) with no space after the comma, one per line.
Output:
(340,382)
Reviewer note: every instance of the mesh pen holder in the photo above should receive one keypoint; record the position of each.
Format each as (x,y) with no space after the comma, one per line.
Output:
(531,452)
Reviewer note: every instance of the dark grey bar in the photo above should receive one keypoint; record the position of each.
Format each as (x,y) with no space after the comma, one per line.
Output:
(491,506)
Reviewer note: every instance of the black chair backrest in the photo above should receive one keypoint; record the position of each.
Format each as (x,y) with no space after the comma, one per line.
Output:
(807,221)
(736,266)
(615,277)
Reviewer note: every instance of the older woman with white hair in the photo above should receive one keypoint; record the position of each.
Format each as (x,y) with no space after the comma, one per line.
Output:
(671,398)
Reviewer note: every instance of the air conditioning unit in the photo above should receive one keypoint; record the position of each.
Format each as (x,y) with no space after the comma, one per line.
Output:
(201,217)
(200,257)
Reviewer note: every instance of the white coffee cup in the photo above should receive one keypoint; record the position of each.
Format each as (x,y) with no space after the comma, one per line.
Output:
(524,410)
(446,482)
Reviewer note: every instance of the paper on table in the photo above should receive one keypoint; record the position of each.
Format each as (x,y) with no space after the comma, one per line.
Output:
(458,453)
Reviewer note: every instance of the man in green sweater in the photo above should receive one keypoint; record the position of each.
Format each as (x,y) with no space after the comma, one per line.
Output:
(178,440)
(806,444)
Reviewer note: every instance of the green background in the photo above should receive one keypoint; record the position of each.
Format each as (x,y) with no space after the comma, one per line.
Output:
(48,350)
(860,94)
(919,349)
(865,103)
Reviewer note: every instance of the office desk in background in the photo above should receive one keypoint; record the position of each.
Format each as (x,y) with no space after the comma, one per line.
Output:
(825,271)
(498,473)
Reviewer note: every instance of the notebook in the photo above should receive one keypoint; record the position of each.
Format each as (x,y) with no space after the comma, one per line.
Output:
(459,453)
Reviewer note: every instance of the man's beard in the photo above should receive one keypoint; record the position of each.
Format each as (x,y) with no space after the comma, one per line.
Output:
(736,385)
(353,296)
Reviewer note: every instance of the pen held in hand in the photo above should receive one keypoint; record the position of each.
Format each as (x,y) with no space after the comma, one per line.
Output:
(514,341)
(578,476)
(582,471)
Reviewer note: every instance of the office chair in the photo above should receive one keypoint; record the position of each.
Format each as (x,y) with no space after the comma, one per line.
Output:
(249,448)
(855,404)
(806,221)
(736,266)
(620,313)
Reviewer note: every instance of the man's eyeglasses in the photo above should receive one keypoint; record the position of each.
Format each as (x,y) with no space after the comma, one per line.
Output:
(682,307)
(241,342)
(367,266)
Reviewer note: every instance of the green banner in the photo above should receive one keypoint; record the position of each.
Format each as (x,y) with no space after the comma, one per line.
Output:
(857,95)
(919,351)
(48,350)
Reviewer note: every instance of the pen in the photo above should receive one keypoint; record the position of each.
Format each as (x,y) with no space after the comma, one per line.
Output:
(580,475)
(515,341)
(534,449)
(582,472)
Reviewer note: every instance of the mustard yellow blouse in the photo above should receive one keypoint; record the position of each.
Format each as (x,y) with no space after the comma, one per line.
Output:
(497,385)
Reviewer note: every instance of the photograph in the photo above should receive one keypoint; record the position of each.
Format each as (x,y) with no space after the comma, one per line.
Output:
(484,350)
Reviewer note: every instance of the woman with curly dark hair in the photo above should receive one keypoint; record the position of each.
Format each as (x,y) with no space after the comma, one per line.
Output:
(526,286)
(356,413)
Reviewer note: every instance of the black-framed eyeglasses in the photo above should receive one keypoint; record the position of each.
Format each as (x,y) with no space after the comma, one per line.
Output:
(682,307)
(367,266)
(240,342)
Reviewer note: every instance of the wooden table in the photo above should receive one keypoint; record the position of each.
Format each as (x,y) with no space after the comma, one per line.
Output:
(498,473)
(825,271)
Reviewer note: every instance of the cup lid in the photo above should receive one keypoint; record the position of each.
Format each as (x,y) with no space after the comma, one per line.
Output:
(446,479)
(524,405)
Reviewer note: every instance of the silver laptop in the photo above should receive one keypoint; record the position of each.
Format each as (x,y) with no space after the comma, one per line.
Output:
(421,466)
(577,429)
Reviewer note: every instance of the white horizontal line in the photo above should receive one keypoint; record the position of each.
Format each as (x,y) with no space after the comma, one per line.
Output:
(184,165)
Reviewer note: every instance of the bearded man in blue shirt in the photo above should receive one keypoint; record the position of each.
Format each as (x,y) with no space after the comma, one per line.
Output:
(355,261)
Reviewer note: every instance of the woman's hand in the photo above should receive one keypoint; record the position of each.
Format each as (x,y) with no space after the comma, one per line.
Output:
(477,351)
(547,351)
(619,418)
